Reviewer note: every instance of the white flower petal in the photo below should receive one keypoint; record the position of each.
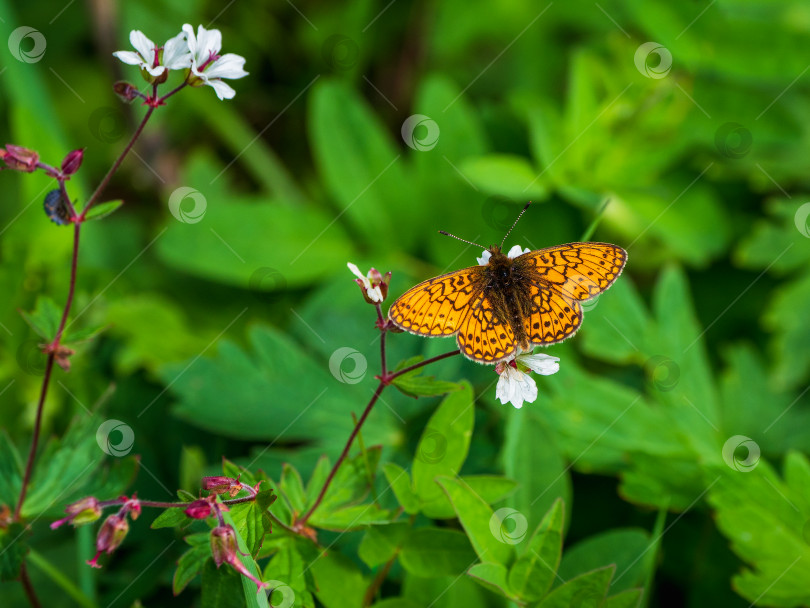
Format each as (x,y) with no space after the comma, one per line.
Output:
(154,71)
(222,90)
(375,294)
(176,55)
(227,66)
(517,250)
(144,46)
(541,364)
(484,259)
(209,41)
(191,40)
(515,387)
(129,57)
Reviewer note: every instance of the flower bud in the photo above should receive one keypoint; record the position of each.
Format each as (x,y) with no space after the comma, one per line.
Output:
(18,158)
(72,161)
(223,545)
(110,536)
(81,512)
(126,91)
(199,509)
(374,286)
(221,485)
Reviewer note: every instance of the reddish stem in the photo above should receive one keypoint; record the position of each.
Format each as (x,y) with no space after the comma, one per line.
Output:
(30,593)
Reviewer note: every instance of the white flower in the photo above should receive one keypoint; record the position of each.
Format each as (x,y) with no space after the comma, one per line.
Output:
(175,54)
(373,292)
(513,253)
(208,65)
(516,386)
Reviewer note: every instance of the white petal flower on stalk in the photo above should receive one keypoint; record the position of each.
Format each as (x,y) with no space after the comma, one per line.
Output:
(176,55)
(515,251)
(515,385)
(208,65)
(144,56)
(374,292)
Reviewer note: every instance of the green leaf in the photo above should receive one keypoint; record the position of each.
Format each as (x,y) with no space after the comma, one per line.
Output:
(505,174)
(192,561)
(622,547)
(352,518)
(395,602)
(349,486)
(102,210)
(289,568)
(11,468)
(477,518)
(13,548)
(358,163)
(585,591)
(442,448)
(338,582)
(765,519)
(45,317)
(221,587)
(252,521)
(626,599)
(423,386)
(381,543)
(170,518)
(493,577)
(249,595)
(431,552)
(292,487)
(532,574)
(400,483)
(531,457)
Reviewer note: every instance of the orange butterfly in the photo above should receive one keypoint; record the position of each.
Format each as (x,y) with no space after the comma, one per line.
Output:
(527,300)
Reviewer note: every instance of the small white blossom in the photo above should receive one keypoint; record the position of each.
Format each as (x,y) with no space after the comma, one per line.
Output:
(513,253)
(147,55)
(208,65)
(374,293)
(515,385)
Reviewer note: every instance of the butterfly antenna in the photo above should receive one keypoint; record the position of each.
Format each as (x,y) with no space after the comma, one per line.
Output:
(520,215)
(460,239)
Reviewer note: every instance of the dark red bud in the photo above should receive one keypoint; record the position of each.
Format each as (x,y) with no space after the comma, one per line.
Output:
(20,159)
(125,91)
(72,161)
(199,509)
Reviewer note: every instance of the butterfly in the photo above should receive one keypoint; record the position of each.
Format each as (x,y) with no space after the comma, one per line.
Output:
(511,301)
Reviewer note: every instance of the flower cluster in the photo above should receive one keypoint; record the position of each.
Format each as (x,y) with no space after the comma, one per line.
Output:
(198,54)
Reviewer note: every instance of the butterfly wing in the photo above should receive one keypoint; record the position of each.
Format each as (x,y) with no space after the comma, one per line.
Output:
(561,277)
(484,338)
(439,306)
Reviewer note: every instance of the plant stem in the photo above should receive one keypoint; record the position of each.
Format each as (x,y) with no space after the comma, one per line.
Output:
(28,587)
(302,522)
(103,184)
(410,368)
(58,577)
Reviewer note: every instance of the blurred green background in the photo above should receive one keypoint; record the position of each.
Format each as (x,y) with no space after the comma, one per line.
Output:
(219,329)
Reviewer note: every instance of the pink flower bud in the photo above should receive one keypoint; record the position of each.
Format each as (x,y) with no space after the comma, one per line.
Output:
(132,506)
(72,161)
(81,512)
(221,485)
(110,536)
(199,509)
(126,91)
(224,548)
(19,158)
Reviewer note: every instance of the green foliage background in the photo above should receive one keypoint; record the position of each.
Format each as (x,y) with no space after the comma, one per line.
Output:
(219,333)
